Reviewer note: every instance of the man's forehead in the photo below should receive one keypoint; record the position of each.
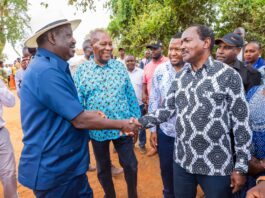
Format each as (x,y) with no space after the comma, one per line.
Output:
(175,41)
(190,32)
(129,58)
(103,36)
(252,45)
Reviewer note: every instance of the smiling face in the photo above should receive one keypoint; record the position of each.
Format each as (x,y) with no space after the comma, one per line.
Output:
(191,45)
(130,62)
(102,48)
(63,41)
(174,52)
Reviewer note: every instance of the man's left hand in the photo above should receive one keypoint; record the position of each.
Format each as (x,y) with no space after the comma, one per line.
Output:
(237,181)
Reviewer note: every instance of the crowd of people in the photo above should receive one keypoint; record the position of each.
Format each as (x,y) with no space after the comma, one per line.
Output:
(205,114)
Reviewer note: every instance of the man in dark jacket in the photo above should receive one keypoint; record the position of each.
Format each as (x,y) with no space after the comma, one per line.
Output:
(228,48)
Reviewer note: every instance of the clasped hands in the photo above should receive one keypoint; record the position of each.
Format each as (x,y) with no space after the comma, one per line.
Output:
(129,127)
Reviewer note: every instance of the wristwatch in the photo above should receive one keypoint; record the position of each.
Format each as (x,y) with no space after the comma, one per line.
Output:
(260,178)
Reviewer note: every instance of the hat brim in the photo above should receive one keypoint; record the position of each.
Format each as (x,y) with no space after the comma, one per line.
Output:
(32,41)
(152,46)
(218,41)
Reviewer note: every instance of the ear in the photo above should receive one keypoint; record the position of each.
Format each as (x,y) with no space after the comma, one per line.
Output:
(238,50)
(51,38)
(207,43)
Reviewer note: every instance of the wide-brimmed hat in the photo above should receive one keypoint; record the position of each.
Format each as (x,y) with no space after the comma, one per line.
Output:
(32,41)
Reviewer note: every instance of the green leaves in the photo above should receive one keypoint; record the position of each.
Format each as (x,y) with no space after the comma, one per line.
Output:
(13,21)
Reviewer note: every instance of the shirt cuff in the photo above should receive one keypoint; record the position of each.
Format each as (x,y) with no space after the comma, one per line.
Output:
(241,167)
(153,129)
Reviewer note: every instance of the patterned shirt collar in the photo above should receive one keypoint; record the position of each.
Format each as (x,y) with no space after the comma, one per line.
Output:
(207,65)
(108,64)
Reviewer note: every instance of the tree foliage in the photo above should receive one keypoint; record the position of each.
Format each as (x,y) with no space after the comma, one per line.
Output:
(135,23)
(243,13)
(13,21)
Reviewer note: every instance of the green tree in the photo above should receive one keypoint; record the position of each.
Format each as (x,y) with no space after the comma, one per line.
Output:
(13,21)
(243,13)
(135,23)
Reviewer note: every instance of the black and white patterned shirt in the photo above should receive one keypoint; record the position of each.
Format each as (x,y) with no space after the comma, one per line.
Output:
(208,104)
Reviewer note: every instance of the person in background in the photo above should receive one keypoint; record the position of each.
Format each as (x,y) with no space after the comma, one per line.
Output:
(163,136)
(242,33)
(121,57)
(136,76)
(21,71)
(7,158)
(157,59)
(256,100)
(88,52)
(8,71)
(252,55)
(228,48)
(147,58)
(3,75)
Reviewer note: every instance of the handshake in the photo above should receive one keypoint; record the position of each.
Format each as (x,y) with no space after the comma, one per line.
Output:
(130,127)
(127,127)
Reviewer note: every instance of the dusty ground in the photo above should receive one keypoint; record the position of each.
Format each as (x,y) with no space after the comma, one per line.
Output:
(149,180)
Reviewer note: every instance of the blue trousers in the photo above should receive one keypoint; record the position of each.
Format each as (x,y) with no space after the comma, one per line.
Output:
(76,188)
(165,152)
(185,184)
(142,132)
(124,147)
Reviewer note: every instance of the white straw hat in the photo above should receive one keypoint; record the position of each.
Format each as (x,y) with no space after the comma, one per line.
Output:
(32,41)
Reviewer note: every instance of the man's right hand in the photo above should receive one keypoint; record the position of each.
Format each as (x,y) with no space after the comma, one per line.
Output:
(153,140)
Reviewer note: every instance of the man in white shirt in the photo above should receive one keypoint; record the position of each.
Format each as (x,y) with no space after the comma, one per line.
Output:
(136,76)
(121,57)
(7,158)
(21,71)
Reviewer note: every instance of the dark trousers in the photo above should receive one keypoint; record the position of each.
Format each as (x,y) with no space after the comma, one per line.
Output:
(76,188)
(185,184)
(142,132)
(124,147)
(165,152)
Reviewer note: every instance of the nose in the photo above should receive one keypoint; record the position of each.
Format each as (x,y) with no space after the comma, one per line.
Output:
(108,47)
(73,40)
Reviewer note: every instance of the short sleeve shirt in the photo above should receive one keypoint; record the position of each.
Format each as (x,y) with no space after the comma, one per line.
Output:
(107,89)
(54,151)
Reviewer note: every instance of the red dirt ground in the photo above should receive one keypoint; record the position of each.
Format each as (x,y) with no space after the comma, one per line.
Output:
(149,180)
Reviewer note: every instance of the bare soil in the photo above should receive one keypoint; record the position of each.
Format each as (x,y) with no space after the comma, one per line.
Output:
(149,180)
